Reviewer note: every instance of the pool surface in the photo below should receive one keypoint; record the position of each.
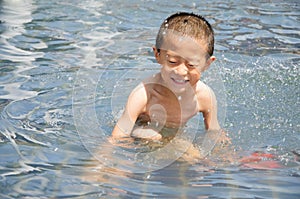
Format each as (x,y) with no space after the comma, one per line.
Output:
(67,67)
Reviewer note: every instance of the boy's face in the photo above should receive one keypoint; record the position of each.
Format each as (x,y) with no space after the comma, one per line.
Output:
(183,60)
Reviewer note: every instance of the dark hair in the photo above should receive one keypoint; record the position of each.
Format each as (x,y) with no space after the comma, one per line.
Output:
(188,24)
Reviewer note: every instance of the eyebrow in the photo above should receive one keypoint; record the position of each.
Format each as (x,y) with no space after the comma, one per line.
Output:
(190,61)
(174,56)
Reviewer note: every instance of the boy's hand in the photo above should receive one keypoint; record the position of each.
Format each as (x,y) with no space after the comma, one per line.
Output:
(146,133)
(124,142)
(224,139)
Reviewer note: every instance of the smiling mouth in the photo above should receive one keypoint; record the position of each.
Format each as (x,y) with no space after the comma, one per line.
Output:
(180,81)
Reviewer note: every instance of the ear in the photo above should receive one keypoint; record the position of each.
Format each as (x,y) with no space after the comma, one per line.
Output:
(209,61)
(156,54)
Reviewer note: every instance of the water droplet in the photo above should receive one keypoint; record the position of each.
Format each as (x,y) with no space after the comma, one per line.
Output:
(179,98)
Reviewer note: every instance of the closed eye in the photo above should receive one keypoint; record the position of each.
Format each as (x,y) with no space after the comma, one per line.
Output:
(172,62)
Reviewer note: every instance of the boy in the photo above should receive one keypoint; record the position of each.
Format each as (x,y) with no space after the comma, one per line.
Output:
(184,49)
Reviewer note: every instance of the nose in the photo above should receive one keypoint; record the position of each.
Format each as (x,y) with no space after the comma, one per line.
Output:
(181,69)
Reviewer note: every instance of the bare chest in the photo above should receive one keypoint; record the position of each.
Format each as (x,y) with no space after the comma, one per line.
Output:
(171,111)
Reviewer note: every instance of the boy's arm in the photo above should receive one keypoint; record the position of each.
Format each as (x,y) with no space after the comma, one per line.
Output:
(136,104)
(210,114)
(210,111)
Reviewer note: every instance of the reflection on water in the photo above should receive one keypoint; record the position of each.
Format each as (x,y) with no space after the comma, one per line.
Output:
(43,44)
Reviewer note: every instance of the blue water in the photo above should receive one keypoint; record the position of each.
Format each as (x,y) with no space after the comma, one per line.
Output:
(56,56)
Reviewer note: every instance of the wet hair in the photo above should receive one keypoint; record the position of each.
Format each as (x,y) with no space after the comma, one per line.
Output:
(188,24)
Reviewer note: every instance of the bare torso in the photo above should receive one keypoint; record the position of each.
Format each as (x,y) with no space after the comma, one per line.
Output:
(166,107)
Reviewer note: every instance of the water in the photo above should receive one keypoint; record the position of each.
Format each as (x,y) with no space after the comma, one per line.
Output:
(47,48)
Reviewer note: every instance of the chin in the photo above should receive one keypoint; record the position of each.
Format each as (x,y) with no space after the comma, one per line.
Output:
(177,90)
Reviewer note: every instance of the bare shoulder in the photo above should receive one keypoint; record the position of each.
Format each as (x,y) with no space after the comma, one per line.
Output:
(139,96)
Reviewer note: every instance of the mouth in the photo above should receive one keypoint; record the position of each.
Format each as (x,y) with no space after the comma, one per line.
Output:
(179,81)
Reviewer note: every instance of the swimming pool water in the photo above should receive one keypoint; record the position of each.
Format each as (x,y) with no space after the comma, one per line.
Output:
(47,46)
